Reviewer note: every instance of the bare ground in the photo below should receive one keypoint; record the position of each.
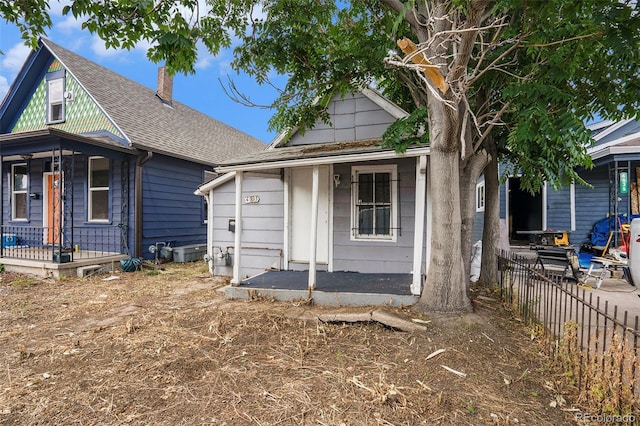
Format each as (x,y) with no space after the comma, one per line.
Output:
(166,349)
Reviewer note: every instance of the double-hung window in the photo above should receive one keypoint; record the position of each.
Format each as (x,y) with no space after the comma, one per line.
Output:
(55,97)
(98,189)
(19,189)
(374,202)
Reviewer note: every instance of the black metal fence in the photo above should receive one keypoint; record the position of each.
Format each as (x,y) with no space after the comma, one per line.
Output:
(53,244)
(595,343)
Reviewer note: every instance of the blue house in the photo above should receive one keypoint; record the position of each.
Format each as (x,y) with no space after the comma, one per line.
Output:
(613,194)
(97,167)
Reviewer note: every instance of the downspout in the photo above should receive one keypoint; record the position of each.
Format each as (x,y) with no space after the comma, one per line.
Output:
(137,207)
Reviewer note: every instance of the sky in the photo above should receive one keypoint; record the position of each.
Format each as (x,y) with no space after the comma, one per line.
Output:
(201,91)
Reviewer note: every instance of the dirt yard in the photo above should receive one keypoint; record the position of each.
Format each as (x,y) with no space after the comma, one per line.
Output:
(164,348)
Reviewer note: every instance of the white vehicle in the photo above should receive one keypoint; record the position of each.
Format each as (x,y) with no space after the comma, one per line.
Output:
(634,252)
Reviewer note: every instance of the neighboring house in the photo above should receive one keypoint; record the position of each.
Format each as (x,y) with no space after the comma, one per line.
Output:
(95,165)
(318,206)
(577,208)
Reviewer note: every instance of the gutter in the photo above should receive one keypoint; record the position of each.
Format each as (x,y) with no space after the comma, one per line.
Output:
(137,207)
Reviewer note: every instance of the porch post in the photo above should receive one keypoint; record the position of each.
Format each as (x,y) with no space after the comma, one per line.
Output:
(236,280)
(418,235)
(313,237)
(209,200)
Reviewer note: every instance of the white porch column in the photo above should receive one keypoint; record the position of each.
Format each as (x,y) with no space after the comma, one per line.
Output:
(236,280)
(418,235)
(210,236)
(572,197)
(313,236)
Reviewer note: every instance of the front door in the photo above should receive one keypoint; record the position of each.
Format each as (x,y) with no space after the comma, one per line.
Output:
(300,206)
(52,205)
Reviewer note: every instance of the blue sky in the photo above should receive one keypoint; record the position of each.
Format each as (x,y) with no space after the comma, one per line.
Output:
(201,91)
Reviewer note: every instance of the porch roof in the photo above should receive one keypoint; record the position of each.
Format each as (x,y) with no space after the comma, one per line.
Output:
(328,153)
(46,139)
(624,151)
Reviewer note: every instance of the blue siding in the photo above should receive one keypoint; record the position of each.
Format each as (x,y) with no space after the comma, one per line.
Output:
(171,211)
(591,203)
(559,209)
(76,199)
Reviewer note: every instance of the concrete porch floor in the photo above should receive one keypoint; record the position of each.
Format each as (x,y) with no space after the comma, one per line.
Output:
(332,288)
(51,269)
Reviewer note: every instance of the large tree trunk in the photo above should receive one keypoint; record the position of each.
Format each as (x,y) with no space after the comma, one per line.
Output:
(491,230)
(468,179)
(445,288)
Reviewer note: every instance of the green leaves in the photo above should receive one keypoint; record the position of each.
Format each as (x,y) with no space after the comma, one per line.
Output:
(407,131)
(556,64)
(30,16)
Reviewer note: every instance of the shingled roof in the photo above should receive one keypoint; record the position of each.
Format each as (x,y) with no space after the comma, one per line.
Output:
(149,123)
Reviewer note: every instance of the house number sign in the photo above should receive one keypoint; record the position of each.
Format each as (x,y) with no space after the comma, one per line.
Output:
(251,199)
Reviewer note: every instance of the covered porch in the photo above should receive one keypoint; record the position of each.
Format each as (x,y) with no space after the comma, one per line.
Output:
(65,202)
(331,288)
(294,215)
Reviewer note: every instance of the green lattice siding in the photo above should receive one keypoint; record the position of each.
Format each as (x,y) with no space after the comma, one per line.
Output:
(82,114)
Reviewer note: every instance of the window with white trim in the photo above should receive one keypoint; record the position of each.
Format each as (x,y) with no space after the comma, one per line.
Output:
(19,190)
(480,197)
(374,202)
(55,97)
(98,192)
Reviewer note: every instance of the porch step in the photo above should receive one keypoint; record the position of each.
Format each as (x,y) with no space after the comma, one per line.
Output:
(83,271)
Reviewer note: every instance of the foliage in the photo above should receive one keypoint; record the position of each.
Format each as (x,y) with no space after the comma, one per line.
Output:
(174,28)
(556,64)
(27,17)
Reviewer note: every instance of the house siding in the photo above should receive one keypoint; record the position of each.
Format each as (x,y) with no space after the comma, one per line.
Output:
(75,211)
(559,209)
(592,203)
(374,256)
(353,118)
(82,115)
(262,224)
(171,212)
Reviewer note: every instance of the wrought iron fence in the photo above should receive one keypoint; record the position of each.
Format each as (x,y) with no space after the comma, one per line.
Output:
(593,340)
(53,244)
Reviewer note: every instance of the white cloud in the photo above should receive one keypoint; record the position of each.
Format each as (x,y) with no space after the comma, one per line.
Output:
(98,47)
(56,7)
(100,50)
(14,58)
(4,87)
(10,63)
(68,25)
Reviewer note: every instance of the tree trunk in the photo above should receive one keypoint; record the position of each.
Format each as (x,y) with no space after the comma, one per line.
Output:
(468,179)
(445,288)
(491,230)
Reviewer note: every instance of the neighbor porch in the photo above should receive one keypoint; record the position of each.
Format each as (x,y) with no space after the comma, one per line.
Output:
(57,252)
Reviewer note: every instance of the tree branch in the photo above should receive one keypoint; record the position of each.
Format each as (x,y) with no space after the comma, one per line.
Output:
(407,13)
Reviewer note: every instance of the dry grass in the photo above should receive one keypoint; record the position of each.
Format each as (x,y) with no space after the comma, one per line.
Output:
(605,381)
(168,349)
